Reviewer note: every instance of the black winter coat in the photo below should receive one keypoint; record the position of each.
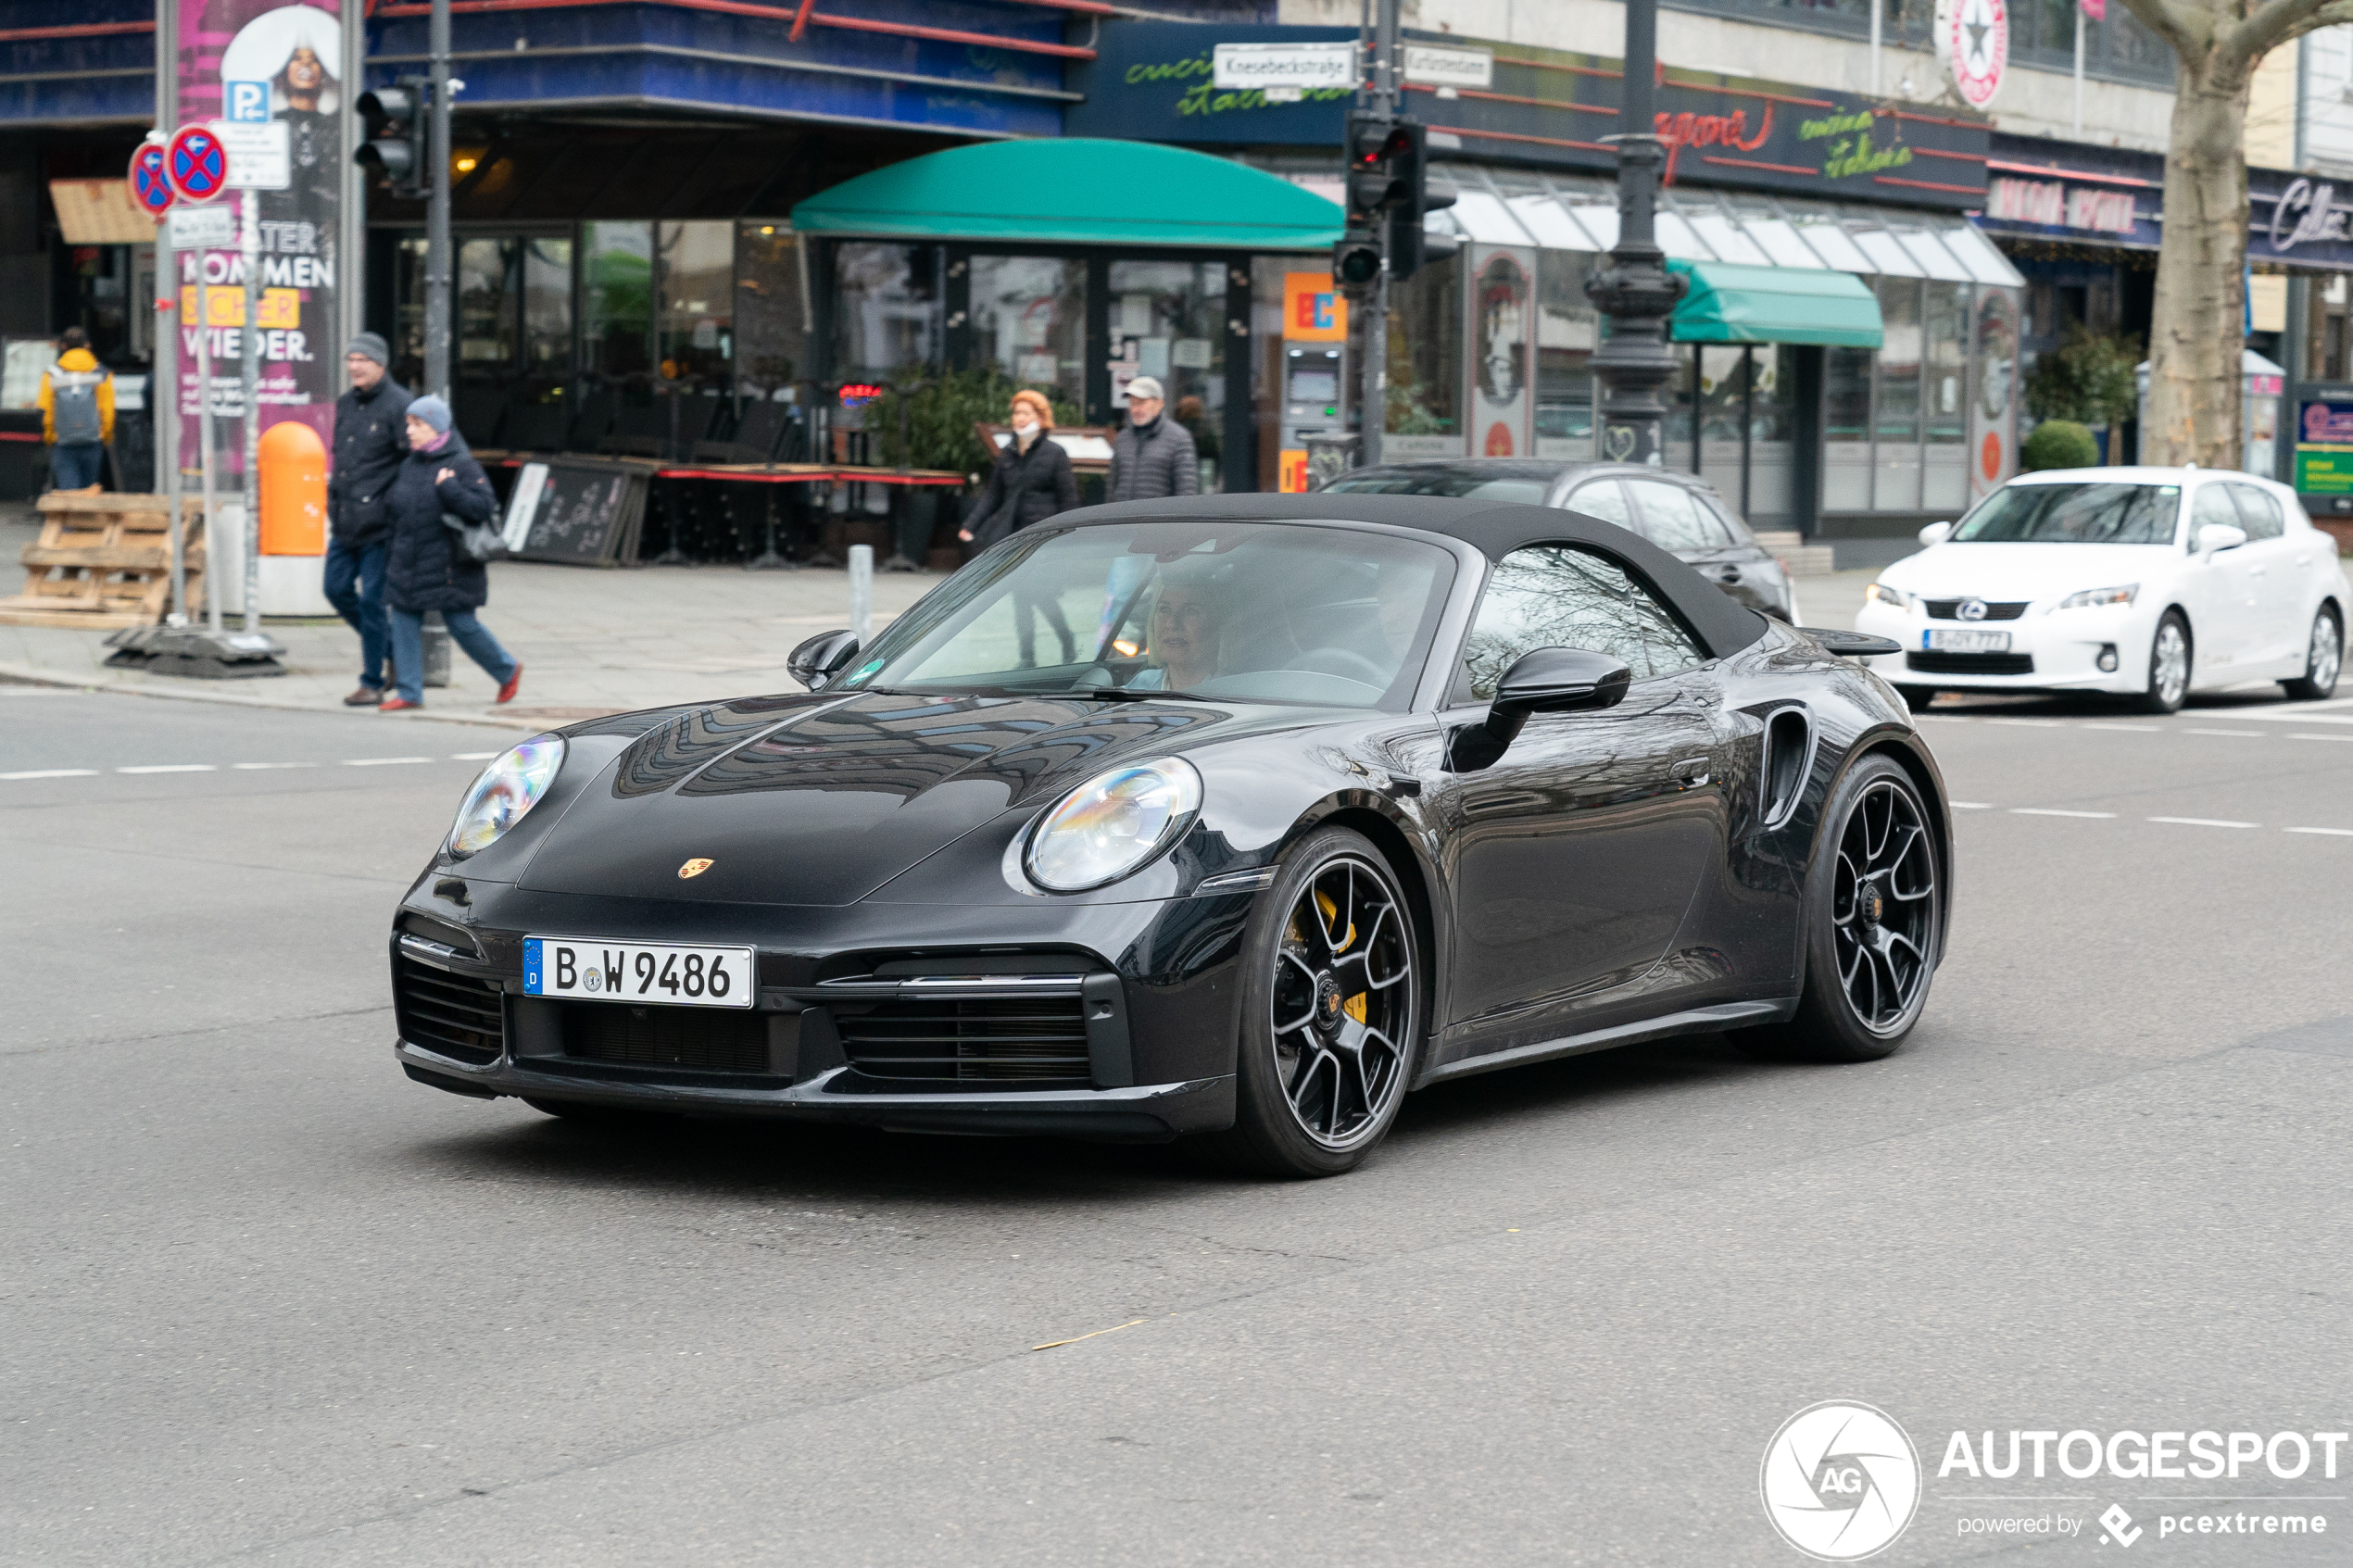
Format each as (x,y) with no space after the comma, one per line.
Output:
(1023,488)
(424,571)
(1153,461)
(371,437)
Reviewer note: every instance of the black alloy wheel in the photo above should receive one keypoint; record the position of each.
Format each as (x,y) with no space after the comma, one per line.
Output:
(1874,923)
(1331,1013)
(2323,657)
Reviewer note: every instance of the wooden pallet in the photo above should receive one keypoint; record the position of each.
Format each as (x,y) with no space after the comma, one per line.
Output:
(104,561)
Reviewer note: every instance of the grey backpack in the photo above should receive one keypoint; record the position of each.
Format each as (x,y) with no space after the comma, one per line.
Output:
(73,397)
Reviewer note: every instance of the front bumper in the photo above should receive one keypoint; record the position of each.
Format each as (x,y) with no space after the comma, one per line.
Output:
(1147,1050)
(2060,649)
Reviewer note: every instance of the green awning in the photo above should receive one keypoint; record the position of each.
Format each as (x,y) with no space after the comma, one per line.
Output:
(1075,190)
(1734,304)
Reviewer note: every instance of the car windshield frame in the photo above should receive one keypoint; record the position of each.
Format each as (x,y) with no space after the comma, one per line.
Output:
(1449,483)
(1996,510)
(1112,668)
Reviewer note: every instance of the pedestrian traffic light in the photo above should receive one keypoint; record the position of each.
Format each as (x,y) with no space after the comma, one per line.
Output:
(1356,263)
(1409,244)
(397,135)
(1374,142)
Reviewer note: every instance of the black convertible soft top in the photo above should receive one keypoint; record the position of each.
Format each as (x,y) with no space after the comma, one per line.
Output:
(1495,530)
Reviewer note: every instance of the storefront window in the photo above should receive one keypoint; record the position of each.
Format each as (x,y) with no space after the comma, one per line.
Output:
(1568,330)
(772,333)
(886,309)
(1029,319)
(698,302)
(1896,483)
(1167,320)
(546,313)
(1944,457)
(1423,417)
(485,308)
(1846,430)
(617,302)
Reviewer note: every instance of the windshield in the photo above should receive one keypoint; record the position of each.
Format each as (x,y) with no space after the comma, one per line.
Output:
(1234,611)
(1463,483)
(2074,514)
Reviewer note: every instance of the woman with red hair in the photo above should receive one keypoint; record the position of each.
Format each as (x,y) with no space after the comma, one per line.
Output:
(1030,482)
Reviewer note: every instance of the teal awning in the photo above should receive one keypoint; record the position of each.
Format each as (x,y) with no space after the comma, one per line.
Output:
(1735,304)
(1075,190)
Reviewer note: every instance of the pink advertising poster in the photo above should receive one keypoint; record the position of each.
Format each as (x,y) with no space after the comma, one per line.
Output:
(248,62)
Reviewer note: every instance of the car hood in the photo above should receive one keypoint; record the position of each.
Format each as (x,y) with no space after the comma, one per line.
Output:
(827,802)
(2026,572)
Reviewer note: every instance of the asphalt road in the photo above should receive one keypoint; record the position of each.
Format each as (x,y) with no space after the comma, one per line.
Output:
(266,1302)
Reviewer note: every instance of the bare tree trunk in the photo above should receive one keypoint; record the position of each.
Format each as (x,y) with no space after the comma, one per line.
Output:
(2198,328)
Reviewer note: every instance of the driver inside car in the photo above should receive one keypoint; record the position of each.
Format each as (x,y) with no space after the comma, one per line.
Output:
(1187,621)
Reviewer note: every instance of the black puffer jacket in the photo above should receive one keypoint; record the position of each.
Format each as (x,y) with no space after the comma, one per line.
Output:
(371,436)
(1025,487)
(424,571)
(1152,461)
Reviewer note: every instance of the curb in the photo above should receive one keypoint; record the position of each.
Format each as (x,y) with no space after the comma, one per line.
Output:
(32,675)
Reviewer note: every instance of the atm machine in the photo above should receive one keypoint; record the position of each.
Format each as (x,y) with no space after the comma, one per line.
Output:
(1314,403)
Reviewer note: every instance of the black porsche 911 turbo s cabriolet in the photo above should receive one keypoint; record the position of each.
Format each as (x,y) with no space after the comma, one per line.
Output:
(1229,818)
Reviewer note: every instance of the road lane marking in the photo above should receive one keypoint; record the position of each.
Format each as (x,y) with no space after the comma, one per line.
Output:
(381,762)
(2242,734)
(2050,812)
(2136,729)
(1972,806)
(2205,822)
(2303,717)
(2333,833)
(2030,723)
(2321,737)
(173,768)
(257,767)
(475,755)
(54,773)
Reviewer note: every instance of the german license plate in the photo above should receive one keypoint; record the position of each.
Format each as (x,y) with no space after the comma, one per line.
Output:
(1965,642)
(581,969)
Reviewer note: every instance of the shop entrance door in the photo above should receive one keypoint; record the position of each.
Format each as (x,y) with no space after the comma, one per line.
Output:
(1166,319)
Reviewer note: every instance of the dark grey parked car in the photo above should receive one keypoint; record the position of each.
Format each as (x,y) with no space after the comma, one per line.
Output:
(1680,514)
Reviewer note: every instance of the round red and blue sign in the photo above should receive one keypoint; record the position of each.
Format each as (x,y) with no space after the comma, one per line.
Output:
(149,187)
(196,164)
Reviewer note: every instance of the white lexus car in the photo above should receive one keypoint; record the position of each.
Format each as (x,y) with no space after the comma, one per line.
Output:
(2144,581)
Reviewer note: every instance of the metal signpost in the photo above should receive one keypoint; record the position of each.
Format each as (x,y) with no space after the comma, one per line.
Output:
(151,188)
(1636,291)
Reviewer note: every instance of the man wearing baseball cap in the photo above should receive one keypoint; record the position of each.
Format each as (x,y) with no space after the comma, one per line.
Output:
(370,443)
(1151,456)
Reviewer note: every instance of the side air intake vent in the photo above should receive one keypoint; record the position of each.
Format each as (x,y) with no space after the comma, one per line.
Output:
(1789,753)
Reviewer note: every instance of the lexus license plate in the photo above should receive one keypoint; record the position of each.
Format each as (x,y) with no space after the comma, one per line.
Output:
(581,969)
(1967,642)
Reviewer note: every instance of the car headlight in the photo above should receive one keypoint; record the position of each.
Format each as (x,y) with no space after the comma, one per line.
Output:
(1880,593)
(507,789)
(2090,597)
(1112,825)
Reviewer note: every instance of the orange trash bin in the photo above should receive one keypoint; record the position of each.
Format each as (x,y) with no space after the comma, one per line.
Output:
(294,491)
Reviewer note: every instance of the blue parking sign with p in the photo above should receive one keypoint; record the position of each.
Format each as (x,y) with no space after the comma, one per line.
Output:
(247,103)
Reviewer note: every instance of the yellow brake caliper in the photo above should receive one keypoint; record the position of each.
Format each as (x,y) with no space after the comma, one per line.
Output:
(1355,1005)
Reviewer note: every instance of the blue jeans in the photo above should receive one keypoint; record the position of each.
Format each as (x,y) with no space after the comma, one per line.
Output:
(76,465)
(356,588)
(408,649)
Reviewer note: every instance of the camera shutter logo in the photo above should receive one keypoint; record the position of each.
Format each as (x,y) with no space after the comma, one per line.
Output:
(1840,1481)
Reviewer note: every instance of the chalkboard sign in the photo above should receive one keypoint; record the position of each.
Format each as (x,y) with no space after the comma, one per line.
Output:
(580,512)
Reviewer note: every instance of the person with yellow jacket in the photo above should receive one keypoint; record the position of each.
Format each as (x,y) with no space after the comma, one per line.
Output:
(77,413)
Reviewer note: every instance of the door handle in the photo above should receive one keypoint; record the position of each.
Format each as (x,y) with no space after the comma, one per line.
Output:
(1730,575)
(1690,773)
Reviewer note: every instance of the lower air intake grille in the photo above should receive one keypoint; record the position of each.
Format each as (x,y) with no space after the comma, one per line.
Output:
(1030,1040)
(709,1039)
(452,1015)
(1969,663)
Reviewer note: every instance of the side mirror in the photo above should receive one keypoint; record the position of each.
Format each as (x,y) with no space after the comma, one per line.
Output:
(2220,537)
(1936,534)
(821,657)
(1542,680)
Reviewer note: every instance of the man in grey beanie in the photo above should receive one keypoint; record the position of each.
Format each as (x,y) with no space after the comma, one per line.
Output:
(370,443)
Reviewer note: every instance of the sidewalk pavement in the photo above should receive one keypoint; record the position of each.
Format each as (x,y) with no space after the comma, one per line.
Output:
(591,641)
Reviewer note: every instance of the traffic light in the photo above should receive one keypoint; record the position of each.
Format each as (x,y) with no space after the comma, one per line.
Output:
(1409,244)
(1374,142)
(397,143)
(1356,262)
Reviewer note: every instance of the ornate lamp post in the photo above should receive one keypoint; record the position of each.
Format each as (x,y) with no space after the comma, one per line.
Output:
(1636,291)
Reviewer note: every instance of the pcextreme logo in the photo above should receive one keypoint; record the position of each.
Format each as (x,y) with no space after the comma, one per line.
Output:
(1840,1481)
